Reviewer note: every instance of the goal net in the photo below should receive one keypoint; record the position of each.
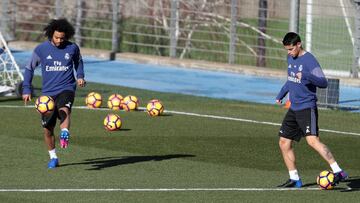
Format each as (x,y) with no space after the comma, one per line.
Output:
(10,75)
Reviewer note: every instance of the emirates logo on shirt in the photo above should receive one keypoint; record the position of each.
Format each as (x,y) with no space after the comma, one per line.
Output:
(56,67)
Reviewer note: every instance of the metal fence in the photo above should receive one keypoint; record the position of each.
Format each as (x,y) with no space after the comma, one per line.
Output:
(245,32)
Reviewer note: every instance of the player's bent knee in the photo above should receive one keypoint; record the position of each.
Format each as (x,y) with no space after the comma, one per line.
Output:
(283,144)
(62,115)
(313,140)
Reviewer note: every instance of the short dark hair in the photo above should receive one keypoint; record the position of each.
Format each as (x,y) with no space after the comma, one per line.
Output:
(291,38)
(60,25)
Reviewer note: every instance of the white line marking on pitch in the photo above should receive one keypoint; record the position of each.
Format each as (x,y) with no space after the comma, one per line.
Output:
(199,115)
(253,121)
(155,189)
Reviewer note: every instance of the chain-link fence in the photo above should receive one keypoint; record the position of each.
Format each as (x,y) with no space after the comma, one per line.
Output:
(244,32)
(232,31)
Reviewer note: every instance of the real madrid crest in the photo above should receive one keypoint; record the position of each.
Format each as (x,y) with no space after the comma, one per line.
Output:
(67,56)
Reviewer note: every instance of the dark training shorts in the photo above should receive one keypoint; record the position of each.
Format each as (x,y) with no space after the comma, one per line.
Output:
(297,124)
(64,99)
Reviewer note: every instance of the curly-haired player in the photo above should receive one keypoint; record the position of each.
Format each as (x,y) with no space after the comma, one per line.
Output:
(59,58)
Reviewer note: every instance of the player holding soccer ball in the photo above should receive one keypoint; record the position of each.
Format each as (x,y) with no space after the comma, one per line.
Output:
(301,120)
(58,58)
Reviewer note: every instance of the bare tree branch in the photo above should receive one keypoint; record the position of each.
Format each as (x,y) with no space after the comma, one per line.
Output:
(189,35)
(245,25)
(202,13)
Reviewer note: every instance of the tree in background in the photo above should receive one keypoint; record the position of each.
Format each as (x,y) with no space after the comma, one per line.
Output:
(261,50)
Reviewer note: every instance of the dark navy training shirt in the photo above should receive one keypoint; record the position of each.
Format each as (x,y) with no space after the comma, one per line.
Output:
(57,67)
(302,93)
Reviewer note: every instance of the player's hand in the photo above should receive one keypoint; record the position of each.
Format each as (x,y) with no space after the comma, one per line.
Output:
(81,82)
(279,102)
(299,75)
(26,98)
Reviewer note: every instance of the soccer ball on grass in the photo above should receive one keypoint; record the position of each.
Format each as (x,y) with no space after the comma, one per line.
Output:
(112,122)
(155,107)
(130,103)
(44,104)
(325,180)
(93,100)
(115,102)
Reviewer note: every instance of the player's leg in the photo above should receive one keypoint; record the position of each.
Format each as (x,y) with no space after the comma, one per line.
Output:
(288,133)
(320,147)
(64,114)
(64,103)
(49,138)
(50,142)
(309,125)
(48,123)
(325,153)
(287,153)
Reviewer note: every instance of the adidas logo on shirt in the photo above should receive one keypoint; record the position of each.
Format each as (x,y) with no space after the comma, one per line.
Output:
(49,57)
(68,104)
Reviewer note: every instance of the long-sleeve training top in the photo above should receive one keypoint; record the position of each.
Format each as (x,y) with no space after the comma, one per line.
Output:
(303,92)
(57,67)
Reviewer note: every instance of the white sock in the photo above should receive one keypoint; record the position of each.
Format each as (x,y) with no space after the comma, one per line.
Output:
(294,175)
(52,154)
(335,167)
(65,129)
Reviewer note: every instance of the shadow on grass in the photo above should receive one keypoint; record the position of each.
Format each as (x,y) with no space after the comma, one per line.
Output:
(106,162)
(353,184)
(309,184)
